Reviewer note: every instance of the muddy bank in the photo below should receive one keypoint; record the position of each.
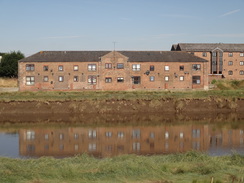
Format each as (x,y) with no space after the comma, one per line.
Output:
(209,105)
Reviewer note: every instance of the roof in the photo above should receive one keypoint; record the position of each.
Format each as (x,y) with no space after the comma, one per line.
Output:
(94,56)
(209,47)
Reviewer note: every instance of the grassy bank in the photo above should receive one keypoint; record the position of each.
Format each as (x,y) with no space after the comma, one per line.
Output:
(117,95)
(189,167)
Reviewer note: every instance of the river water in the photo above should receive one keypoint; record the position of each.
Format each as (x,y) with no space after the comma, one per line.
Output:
(112,135)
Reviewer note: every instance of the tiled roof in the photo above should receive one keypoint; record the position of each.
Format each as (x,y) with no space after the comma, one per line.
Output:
(94,56)
(209,47)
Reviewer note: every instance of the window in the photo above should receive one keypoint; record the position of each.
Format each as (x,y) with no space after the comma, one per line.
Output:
(241,54)
(196,79)
(61,136)
(152,78)
(230,63)
(136,146)
(204,54)
(166,78)
(166,68)
(241,62)
(46,137)
(45,78)
(92,147)
(230,54)
(241,72)
(30,80)
(30,135)
(181,78)
(136,133)
(151,67)
(76,78)
(92,67)
(120,134)
(92,80)
(76,136)
(230,72)
(60,78)
(76,67)
(120,80)
(45,68)
(214,54)
(108,80)
(181,135)
(196,133)
(166,135)
(136,67)
(120,66)
(181,67)
(108,66)
(108,134)
(196,67)
(152,135)
(136,80)
(92,133)
(30,67)
(60,68)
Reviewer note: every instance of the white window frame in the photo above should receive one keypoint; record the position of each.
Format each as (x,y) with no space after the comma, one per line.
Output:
(152,78)
(181,78)
(166,68)
(30,80)
(136,67)
(60,68)
(166,78)
(92,67)
(76,67)
(241,54)
(45,79)
(241,62)
(61,78)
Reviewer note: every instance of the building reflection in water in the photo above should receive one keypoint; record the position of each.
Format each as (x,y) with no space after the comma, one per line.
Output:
(113,141)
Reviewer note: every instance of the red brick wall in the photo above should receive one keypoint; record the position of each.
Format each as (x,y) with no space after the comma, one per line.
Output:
(101,73)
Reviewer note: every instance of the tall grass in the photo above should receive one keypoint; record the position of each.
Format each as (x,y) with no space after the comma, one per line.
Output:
(185,168)
(8,82)
(117,95)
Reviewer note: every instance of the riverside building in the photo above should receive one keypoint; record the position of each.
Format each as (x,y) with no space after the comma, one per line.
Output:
(112,70)
(224,60)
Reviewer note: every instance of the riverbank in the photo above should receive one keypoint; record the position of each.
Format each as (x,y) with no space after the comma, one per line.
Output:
(181,168)
(101,102)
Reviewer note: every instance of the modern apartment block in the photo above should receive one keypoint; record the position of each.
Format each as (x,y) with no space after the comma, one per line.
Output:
(112,70)
(224,60)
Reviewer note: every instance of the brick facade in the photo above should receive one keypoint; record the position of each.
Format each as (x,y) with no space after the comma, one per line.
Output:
(225,61)
(112,71)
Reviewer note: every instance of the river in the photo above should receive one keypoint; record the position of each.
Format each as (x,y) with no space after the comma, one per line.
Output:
(112,135)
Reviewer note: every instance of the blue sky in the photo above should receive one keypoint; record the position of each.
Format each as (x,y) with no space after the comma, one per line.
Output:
(34,25)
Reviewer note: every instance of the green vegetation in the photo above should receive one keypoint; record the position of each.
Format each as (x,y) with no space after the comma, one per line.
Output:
(228,84)
(190,167)
(117,95)
(9,64)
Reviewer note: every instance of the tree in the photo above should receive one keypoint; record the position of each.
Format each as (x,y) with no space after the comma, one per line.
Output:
(9,64)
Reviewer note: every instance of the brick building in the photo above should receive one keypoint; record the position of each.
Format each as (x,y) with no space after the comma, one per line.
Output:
(112,70)
(224,60)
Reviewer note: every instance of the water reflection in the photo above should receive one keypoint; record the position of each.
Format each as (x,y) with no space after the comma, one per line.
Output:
(144,135)
(113,141)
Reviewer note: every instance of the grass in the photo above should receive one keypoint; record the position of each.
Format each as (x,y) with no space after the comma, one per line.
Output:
(117,95)
(185,168)
(229,84)
(8,82)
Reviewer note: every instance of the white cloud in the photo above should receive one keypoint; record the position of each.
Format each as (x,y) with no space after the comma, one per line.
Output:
(230,13)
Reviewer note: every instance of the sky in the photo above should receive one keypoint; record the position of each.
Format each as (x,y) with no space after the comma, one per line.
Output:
(31,26)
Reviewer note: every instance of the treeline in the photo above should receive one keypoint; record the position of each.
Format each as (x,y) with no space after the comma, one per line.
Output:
(9,64)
